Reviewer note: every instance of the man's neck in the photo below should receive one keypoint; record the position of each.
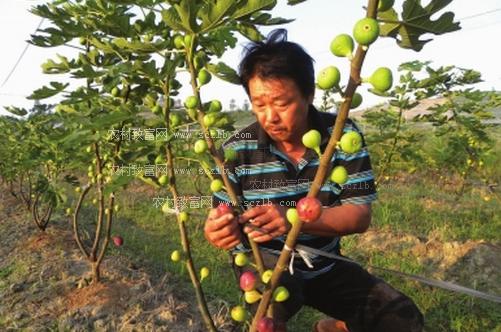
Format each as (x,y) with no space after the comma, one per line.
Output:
(295,145)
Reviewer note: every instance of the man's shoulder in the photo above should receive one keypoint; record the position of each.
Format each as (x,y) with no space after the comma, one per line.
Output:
(330,119)
(243,137)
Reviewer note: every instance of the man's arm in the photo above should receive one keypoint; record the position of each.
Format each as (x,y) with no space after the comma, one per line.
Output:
(341,220)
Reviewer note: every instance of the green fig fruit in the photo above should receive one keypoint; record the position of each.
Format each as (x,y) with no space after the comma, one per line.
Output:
(351,142)
(216,185)
(204,77)
(381,79)
(281,294)
(209,120)
(385,5)
(342,46)
(191,102)
(215,106)
(356,100)
(328,78)
(178,42)
(339,175)
(200,146)
(175,119)
(366,31)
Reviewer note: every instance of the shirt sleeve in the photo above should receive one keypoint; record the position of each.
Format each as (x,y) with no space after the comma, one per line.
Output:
(360,187)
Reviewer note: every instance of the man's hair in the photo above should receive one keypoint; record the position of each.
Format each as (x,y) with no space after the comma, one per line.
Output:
(278,58)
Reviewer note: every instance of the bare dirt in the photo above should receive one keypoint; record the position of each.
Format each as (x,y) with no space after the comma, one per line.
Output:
(44,286)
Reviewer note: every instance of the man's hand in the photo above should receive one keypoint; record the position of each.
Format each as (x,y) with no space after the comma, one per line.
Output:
(222,231)
(265,222)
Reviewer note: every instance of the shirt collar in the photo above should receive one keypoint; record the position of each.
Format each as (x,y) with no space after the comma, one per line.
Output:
(316,120)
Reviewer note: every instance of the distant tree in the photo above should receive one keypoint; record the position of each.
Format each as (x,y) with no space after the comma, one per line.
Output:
(233,105)
(246,106)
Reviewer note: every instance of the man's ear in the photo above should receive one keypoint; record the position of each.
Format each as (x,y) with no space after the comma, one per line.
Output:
(310,98)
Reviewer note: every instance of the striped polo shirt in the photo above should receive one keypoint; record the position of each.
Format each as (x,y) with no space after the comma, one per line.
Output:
(262,174)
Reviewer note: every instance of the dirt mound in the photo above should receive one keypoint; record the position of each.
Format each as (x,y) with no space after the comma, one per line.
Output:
(475,264)
(44,284)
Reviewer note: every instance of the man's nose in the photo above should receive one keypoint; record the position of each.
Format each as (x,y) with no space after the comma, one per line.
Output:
(271,115)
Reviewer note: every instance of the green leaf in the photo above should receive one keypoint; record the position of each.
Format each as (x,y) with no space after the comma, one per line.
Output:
(117,182)
(187,12)
(251,6)
(294,2)
(212,14)
(416,21)
(16,110)
(46,92)
(171,18)
(224,72)
(249,31)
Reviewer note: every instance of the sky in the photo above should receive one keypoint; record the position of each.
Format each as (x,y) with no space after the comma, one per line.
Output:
(316,23)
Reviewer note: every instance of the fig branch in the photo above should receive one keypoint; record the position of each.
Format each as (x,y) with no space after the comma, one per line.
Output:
(202,303)
(218,159)
(320,176)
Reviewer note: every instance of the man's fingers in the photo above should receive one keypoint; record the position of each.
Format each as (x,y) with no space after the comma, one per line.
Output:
(218,223)
(253,212)
(229,242)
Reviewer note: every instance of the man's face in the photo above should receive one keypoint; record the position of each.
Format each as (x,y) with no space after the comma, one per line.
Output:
(279,106)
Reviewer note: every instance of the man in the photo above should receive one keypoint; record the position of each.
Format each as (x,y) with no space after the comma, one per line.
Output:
(274,170)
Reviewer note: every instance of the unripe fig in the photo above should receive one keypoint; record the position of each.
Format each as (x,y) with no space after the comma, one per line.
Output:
(356,100)
(209,119)
(163,180)
(351,142)
(183,216)
(241,259)
(204,77)
(252,296)
(328,78)
(281,294)
(204,273)
(366,31)
(175,119)
(381,79)
(292,216)
(215,106)
(191,102)
(342,46)
(200,146)
(385,5)
(266,276)
(238,314)
(216,185)
(178,42)
(175,256)
(312,140)
(339,175)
